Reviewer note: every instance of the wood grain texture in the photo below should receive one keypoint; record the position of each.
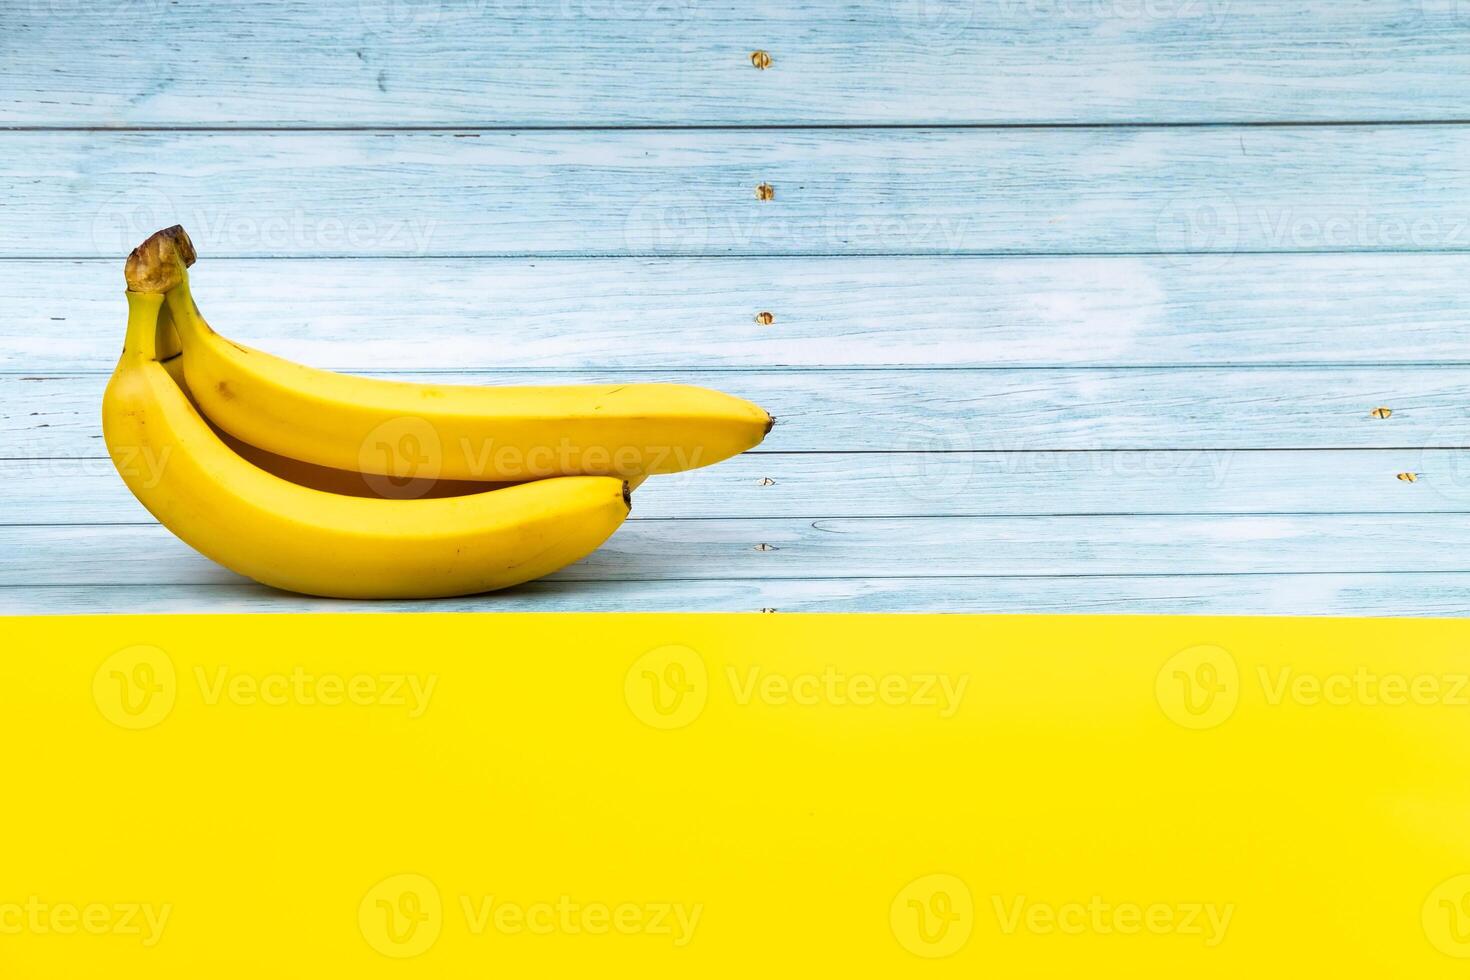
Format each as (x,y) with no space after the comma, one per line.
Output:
(682,62)
(796,485)
(1409,594)
(775,548)
(1215,191)
(1012,410)
(375,314)
(1018,366)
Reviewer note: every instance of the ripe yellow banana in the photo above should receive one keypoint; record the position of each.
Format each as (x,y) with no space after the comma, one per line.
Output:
(306,540)
(453,432)
(351,483)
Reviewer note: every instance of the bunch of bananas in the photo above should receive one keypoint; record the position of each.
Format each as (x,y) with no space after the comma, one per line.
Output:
(353,487)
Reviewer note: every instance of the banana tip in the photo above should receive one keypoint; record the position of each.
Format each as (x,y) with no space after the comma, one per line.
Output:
(770,424)
(627,495)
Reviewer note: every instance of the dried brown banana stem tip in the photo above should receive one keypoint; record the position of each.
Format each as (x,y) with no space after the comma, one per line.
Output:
(158,264)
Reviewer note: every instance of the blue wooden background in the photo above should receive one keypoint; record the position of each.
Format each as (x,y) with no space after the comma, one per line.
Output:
(1078,305)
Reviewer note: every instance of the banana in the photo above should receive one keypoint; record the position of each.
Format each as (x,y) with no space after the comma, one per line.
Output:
(453,432)
(349,482)
(306,540)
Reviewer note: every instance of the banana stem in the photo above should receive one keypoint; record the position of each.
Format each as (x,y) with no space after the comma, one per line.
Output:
(142,340)
(166,343)
(182,311)
(155,268)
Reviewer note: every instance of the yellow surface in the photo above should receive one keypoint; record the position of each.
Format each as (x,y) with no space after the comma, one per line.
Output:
(675,796)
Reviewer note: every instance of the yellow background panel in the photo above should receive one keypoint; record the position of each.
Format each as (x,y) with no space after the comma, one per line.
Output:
(670,796)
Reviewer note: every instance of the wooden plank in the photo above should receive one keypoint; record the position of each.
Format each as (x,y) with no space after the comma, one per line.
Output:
(1406,594)
(1215,191)
(795,485)
(45,416)
(375,314)
(383,62)
(776,548)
